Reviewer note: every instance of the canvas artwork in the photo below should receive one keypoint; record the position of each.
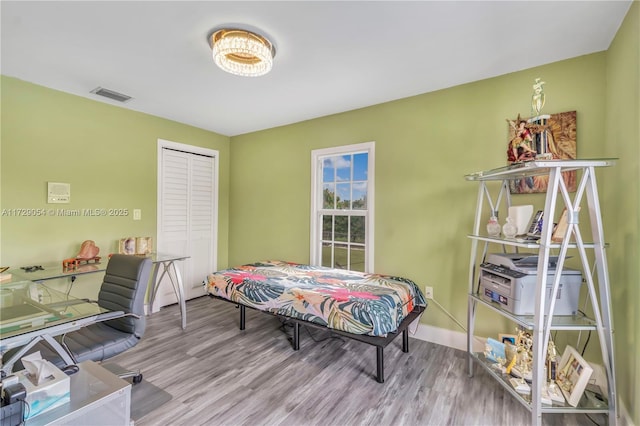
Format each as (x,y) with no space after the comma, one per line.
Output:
(544,137)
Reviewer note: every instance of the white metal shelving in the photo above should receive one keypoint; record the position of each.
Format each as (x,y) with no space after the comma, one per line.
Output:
(541,325)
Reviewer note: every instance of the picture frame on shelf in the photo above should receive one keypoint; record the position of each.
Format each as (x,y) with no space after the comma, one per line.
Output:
(511,339)
(495,351)
(560,230)
(573,375)
(127,245)
(561,227)
(144,246)
(140,246)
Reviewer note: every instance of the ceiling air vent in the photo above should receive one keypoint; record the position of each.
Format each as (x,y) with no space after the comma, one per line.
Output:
(111,94)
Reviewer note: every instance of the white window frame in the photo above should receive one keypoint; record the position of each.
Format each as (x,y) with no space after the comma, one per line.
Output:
(317,157)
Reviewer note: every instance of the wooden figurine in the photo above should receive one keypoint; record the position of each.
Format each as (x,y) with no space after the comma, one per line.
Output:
(88,253)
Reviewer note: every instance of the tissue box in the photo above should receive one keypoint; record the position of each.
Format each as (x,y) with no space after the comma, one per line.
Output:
(51,393)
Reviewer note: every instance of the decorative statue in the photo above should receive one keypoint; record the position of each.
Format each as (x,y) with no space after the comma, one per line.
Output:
(537,99)
(552,364)
(552,361)
(524,356)
(88,252)
(520,146)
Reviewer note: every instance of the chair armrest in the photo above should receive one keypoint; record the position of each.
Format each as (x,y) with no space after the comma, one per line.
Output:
(115,314)
(110,315)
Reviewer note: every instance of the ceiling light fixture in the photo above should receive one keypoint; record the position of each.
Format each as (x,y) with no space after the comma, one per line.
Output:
(242,52)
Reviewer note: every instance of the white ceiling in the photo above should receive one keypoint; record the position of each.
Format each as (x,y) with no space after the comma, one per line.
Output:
(331,56)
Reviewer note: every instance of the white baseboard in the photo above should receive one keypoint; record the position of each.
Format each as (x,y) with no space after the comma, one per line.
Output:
(624,419)
(148,309)
(450,338)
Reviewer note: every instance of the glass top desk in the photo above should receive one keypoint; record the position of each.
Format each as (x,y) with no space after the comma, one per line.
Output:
(31,312)
(52,271)
(164,261)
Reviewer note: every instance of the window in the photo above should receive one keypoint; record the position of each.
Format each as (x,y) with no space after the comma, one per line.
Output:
(342,207)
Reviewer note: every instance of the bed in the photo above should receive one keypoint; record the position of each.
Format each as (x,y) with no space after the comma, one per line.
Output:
(370,308)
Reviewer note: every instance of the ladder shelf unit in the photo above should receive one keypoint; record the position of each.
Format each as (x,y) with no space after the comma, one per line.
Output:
(595,272)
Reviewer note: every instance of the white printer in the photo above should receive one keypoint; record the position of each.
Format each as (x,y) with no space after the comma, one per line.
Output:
(509,280)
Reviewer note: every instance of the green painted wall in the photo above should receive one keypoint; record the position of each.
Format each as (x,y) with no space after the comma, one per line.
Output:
(424,147)
(424,207)
(108,155)
(622,198)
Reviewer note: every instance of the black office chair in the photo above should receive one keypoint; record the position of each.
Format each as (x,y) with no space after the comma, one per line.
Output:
(123,289)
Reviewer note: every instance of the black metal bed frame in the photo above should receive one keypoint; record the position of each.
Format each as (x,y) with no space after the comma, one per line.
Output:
(379,342)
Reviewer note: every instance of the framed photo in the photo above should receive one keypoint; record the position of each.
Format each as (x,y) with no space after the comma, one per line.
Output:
(144,245)
(127,245)
(511,339)
(573,375)
(495,351)
(561,228)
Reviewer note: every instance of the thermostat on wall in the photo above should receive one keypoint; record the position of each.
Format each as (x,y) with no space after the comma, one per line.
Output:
(58,192)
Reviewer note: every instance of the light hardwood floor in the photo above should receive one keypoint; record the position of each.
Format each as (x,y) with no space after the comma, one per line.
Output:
(219,375)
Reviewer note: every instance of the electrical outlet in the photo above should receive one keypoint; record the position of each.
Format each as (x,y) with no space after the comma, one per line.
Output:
(428,292)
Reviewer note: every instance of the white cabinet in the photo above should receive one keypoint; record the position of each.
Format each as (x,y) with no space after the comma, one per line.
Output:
(584,242)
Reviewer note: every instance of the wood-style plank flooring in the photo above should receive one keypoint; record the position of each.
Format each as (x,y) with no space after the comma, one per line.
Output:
(219,375)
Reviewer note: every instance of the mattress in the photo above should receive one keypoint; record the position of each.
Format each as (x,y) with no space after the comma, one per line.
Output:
(350,301)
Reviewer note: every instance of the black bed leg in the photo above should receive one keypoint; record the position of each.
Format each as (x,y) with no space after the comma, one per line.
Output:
(242,316)
(380,364)
(405,340)
(296,335)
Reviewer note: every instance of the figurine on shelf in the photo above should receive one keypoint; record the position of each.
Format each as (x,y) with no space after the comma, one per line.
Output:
(493,227)
(88,253)
(522,369)
(509,229)
(552,361)
(538,98)
(511,364)
(521,145)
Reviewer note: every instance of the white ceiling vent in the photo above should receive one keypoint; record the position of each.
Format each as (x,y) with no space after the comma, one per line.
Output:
(111,94)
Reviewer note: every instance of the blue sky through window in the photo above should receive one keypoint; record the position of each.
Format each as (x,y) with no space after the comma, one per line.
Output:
(339,168)
(345,176)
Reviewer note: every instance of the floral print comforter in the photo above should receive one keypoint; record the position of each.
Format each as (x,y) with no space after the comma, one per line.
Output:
(350,301)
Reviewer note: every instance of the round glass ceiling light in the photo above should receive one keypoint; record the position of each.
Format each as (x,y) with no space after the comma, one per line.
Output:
(242,52)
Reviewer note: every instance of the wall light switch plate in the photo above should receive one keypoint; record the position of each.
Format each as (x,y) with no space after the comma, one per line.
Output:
(137,214)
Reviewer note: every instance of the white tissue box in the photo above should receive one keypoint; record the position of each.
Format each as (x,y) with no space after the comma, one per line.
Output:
(51,393)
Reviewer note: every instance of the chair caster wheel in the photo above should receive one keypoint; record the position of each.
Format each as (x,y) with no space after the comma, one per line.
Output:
(137,379)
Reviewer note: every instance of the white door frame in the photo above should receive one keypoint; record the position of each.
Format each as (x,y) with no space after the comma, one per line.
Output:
(189,149)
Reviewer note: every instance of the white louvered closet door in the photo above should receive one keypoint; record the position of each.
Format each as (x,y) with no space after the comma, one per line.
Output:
(186,219)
